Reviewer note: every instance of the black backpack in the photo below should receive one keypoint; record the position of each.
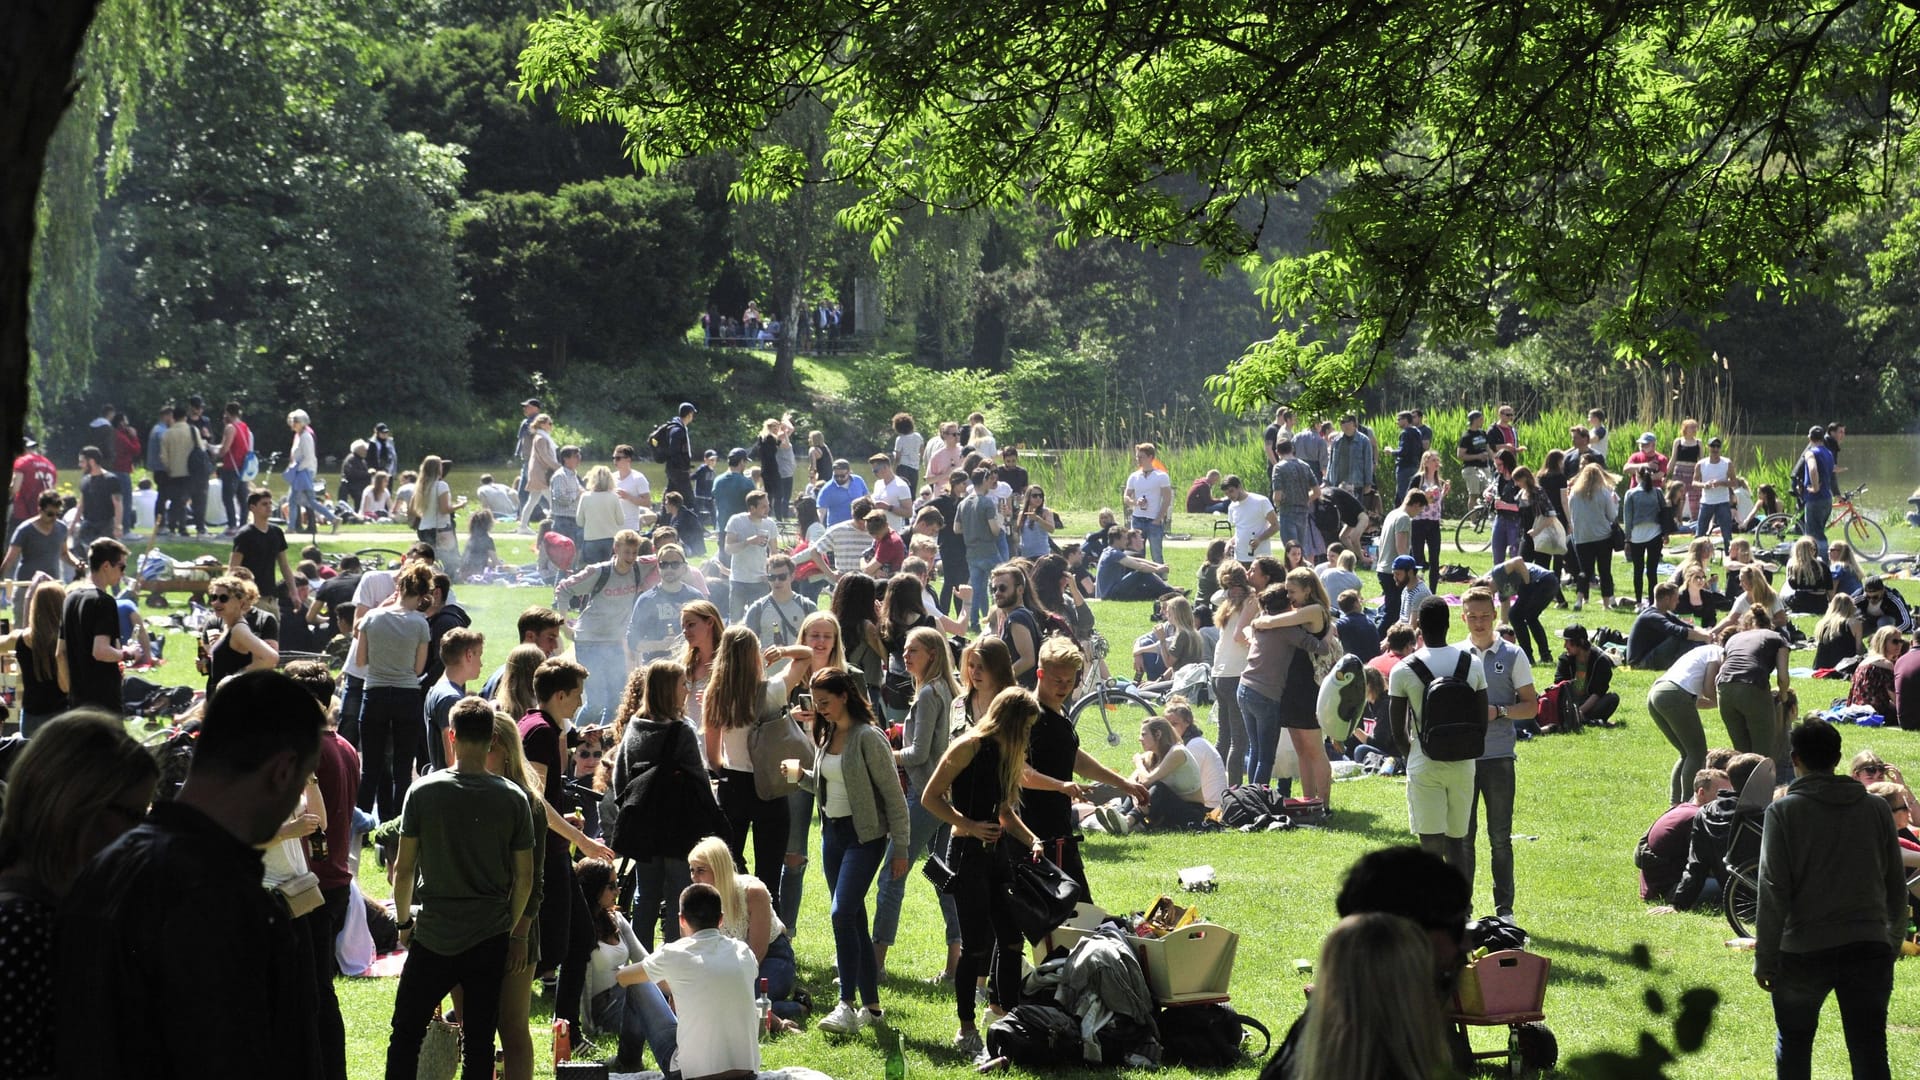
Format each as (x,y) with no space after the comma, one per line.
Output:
(660,442)
(1244,804)
(662,810)
(1036,1035)
(1207,1036)
(1452,726)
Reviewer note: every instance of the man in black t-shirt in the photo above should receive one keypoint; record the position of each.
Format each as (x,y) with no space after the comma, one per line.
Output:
(1475,451)
(1053,749)
(262,548)
(1010,473)
(100,498)
(90,631)
(334,596)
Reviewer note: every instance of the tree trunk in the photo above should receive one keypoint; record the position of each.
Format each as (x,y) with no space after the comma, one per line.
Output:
(788,342)
(37,48)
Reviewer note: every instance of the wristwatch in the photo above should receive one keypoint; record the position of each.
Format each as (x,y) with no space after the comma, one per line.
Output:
(1499,712)
(408,925)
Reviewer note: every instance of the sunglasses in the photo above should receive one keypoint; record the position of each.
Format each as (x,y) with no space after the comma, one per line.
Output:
(779,577)
(1873,770)
(218,598)
(589,755)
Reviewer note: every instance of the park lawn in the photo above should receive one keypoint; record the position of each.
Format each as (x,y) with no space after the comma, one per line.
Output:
(1583,801)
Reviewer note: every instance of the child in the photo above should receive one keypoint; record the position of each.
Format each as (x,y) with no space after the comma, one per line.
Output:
(481,553)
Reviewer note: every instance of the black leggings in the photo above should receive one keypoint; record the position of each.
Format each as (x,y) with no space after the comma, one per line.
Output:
(1646,565)
(766,818)
(391,722)
(990,941)
(1426,548)
(1528,603)
(1596,560)
(566,931)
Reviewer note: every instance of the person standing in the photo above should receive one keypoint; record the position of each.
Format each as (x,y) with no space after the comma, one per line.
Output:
(1426,525)
(1351,458)
(157,465)
(261,547)
(391,643)
(1753,657)
(303,464)
(1055,757)
(126,934)
(751,537)
(890,493)
(1149,497)
(980,528)
(39,545)
(1475,454)
(102,502)
(466,836)
(90,647)
(677,454)
(923,744)
(1253,518)
(236,445)
(543,459)
(1440,794)
(776,617)
(33,476)
(731,488)
(1832,908)
(523,444)
(631,487)
(837,496)
(862,812)
(1312,445)
(657,742)
(1813,483)
(1714,482)
(1295,489)
(606,593)
(460,653)
(563,494)
(1396,543)
(1510,697)
(1406,459)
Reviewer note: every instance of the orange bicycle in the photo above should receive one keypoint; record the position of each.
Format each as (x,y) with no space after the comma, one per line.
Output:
(1862,533)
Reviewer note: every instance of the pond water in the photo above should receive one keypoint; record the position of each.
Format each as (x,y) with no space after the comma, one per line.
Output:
(1888,464)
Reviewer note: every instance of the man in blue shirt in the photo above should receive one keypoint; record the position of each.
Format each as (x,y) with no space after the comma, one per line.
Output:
(731,488)
(835,500)
(1814,474)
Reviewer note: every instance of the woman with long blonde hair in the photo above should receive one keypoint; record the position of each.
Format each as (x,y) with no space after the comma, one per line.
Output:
(36,645)
(1847,575)
(1375,1015)
(514,696)
(1809,579)
(976,792)
(508,760)
(1838,635)
(924,742)
(1426,527)
(740,695)
(430,511)
(1755,595)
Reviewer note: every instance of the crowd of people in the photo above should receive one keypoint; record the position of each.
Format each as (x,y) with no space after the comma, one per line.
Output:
(710,694)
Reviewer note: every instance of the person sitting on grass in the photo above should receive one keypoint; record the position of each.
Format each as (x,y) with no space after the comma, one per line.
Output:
(636,1013)
(1124,574)
(1661,855)
(1171,776)
(712,977)
(1213,768)
(482,557)
(1704,875)
(1589,675)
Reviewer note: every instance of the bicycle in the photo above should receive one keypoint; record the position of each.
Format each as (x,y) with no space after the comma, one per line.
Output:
(1105,696)
(1473,533)
(1862,533)
(373,558)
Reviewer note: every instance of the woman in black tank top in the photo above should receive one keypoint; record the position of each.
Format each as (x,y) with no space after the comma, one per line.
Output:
(976,790)
(236,647)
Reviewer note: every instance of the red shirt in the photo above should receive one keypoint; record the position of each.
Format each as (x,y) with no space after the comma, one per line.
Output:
(239,445)
(1655,458)
(37,475)
(339,777)
(1199,496)
(1385,663)
(1669,838)
(891,551)
(126,449)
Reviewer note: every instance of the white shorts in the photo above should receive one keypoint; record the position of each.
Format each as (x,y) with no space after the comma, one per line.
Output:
(1439,797)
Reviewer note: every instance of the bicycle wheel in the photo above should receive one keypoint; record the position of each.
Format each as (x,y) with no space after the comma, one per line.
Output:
(1474,533)
(379,558)
(1772,529)
(1742,899)
(1110,713)
(1867,538)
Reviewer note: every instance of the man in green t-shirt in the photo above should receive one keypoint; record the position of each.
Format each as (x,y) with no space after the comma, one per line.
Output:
(468,837)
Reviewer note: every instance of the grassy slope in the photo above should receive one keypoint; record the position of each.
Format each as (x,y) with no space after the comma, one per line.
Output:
(1583,801)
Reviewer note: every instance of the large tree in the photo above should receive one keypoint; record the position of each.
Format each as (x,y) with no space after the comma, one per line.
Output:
(1482,157)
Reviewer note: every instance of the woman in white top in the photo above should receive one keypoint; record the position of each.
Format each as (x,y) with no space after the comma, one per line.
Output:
(1754,591)
(739,695)
(908,446)
(432,506)
(1171,776)
(1233,612)
(1675,702)
(747,915)
(980,438)
(634,1013)
(376,500)
(302,462)
(599,516)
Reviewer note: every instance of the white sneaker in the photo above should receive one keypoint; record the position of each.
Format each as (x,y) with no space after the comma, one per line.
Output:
(845,1019)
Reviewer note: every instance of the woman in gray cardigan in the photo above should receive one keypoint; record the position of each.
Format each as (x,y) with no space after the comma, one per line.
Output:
(862,811)
(922,745)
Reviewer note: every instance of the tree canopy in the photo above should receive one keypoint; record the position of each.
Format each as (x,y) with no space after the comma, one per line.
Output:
(1643,160)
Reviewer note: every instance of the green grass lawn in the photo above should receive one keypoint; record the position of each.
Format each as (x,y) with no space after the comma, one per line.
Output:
(1583,802)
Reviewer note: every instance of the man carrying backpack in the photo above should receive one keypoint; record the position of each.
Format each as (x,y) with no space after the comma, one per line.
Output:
(1438,711)
(605,593)
(671,447)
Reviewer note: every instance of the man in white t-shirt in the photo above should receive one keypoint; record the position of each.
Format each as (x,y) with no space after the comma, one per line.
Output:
(750,538)
(498,498)
(1714,477)
(1439,793)
(712,978)
(1253,519)
(631,486)
(890,493)
(1149,496)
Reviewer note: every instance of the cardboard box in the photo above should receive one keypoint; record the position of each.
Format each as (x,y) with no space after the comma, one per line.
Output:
(1192,964)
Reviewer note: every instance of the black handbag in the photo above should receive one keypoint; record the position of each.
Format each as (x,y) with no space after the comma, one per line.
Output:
(936,870)
(1039,895)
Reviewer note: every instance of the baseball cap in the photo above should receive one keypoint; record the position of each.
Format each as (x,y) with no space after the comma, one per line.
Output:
(27,441)
(688,406)
(1648,436)
(533,402)
(736,454)
(381,428)
(1405,562)
(1472,413)
(1575,633)
(1715,441)
(196,401)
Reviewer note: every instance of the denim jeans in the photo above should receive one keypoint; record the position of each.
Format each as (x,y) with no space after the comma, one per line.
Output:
(299,495)
(1493,783)
(233,497)
(980,576)
(1712,514)
(637,1014)
(893,891)
(851,866)
(793,876)
(1860,975)
(606,661)
(1506,537)
(1156,534)
(428,977)
(1389,596)
(1261,715)
(390,727)
(1293,525)
(1231,736)
(657,884)
(1816,509)
(353,700)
